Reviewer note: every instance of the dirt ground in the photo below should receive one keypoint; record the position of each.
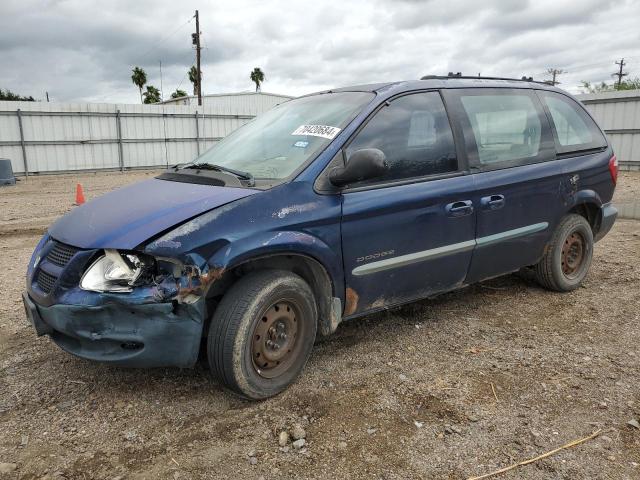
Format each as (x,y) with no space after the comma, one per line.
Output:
(628,188)
(443,389)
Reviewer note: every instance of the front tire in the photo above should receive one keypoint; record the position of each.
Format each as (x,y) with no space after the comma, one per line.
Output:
(567,258)
(262,333)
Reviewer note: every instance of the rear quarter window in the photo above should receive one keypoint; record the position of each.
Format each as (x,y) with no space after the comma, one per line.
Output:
(573,129)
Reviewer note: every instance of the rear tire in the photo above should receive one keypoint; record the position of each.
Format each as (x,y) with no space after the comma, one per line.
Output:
(567,258)
(262,333)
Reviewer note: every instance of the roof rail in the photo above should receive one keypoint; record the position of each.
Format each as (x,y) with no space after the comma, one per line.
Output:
(459,75)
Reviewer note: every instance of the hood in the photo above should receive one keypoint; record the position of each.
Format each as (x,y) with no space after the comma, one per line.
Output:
(126,217)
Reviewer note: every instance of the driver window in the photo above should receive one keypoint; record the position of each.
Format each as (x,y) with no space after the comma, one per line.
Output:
(414,133)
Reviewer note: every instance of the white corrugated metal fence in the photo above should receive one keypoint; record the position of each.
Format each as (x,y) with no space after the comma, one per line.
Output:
(618,114)
(56,137)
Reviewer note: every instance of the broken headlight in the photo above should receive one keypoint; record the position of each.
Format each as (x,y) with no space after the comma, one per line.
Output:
(115,272)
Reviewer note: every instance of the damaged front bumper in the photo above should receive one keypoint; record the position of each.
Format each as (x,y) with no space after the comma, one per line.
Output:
(158,323)
(164,334)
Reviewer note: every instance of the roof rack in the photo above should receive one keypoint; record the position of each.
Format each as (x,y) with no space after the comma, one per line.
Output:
(459,75)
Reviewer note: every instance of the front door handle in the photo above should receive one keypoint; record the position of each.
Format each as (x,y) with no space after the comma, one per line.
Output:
(493,202)
(459,209)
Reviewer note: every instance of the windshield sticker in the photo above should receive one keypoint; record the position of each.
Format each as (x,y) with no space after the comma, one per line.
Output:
(323,131)
(301,144)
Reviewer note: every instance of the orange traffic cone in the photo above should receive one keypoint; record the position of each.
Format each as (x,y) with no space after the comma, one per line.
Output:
(79,195)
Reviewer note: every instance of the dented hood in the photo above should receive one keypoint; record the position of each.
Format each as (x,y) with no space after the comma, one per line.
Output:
(127,217)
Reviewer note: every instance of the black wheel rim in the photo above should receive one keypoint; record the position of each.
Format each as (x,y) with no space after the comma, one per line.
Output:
(275,343)
(574,250)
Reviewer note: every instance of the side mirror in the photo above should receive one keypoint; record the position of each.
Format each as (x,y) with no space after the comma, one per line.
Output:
(363,164)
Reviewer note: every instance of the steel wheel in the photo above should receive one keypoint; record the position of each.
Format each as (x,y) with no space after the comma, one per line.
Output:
(567,257)
(274,344)
(262,333)
(573,253)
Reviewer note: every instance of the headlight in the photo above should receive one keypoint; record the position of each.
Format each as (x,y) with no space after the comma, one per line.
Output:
(114,272)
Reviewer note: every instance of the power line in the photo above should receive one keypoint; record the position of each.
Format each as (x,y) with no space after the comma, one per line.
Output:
(570,69)
(192,64)
(185,75)
(164,39)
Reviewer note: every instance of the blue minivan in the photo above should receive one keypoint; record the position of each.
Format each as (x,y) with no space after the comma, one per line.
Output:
(326,208)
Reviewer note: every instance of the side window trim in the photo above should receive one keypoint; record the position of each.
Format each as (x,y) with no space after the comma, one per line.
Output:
(546,151)
(568,151)
(463,165)
(458,135)
(406,181)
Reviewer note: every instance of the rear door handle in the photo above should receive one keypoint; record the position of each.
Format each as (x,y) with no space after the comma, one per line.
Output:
(492,202)
(459,209)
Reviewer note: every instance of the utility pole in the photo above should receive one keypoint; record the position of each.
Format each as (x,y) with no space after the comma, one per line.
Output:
(161,91)
(47,96)
(554,72)
(196,41)
(620,73)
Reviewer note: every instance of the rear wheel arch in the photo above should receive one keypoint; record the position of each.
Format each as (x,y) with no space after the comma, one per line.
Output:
(592,212)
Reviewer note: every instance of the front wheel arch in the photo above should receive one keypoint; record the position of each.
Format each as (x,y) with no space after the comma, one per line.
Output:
(308,268)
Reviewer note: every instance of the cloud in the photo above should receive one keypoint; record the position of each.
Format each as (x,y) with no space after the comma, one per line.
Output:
(80,50)
(547,14)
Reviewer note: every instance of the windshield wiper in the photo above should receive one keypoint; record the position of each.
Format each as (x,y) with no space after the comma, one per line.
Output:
(219,168)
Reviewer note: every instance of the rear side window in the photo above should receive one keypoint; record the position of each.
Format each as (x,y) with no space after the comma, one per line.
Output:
(414,133)
(574,129)
(506,127)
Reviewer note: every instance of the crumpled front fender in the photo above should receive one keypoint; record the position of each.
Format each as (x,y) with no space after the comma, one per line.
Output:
(274,243)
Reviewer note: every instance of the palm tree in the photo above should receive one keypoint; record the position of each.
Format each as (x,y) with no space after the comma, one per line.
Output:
(178,93)
(152,95)
(257,77)
(139,78)
(193,78)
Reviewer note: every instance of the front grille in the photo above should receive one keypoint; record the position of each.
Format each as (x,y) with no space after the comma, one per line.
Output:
(60,254)
(45,281)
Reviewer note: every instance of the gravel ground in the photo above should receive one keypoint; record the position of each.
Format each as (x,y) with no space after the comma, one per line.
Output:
(35,202)
(443,389)
(628,188)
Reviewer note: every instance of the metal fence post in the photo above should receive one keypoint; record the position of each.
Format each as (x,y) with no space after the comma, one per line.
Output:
(24,150)
(120,154)
(164,127)
(197,134)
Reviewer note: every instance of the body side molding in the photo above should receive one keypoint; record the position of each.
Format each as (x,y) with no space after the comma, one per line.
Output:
(416,257)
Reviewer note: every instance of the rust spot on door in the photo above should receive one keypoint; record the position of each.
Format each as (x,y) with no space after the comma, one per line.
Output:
(351,303)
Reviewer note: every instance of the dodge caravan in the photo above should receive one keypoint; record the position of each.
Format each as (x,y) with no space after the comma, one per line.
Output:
(326,208)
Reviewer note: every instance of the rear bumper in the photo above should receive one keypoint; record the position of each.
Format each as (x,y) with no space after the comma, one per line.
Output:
(609,215)
(149,335)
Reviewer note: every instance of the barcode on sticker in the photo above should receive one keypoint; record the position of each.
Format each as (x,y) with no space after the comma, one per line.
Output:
(323,131)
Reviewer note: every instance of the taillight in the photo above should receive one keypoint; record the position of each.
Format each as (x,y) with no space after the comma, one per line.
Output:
(613,169)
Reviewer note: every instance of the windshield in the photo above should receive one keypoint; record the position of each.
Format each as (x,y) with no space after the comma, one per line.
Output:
(277,142)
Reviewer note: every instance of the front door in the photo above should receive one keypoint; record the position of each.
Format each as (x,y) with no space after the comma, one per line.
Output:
(410,233)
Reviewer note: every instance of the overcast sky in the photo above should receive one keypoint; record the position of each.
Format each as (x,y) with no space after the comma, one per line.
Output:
(80,50)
